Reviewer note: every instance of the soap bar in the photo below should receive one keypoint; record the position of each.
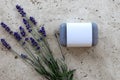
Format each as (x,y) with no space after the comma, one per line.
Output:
(78,34)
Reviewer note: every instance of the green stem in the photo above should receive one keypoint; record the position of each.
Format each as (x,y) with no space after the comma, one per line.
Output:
(56,35)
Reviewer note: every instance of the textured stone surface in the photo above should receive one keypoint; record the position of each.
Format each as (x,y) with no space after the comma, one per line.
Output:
(101,62)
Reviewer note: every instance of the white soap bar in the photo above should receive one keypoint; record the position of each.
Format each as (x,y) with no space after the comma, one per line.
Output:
(79,34)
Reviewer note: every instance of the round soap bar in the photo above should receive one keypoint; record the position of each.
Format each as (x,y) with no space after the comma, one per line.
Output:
(78,34)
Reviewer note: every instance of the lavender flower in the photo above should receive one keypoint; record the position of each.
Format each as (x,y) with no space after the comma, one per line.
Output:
(38,47)
(39,61)
(27,25)
(33,20)
(25,21)
(11,32)
(42,30)
(30,30)
(22,31)
(4,43)
(33,42)
(17,36)
(23,56)
(5,27)
(26,39)
(20,10)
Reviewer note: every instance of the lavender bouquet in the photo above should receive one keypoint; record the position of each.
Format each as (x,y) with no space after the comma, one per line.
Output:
(42,59)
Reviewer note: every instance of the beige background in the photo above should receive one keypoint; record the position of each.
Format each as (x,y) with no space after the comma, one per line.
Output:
(101,62)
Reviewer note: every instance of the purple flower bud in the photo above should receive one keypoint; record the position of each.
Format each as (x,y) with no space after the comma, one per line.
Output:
(30,31)
(20,10)
(4,43)
(26,39)
(22,31)
(37,48)
(21,28)
(25,21)
(11,32)
(33,42)
(6,27)
(27,25)
(33,20)
(44,35)
(18,7)
(3,25)
(42,30)
(23,34)
(23,56)
(17,36)
(23,14)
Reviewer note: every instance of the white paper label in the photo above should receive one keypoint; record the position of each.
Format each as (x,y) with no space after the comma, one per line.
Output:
(79,34)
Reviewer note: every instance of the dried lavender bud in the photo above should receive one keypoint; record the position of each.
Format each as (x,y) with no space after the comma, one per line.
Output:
(10,32)
(23,13)
(25,21)
(38,47)
(33,20)
(17,36)
(23,56)
(42,30)
(29,30)
(33,42)
(26,39)
(5,27)
(20,10)
(44,35)
(23,34)
(22,31)
(4,43)
(27,25)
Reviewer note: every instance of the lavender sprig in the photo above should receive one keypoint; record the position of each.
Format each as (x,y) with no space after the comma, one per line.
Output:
(32,19)
(28,27)
(5,44)
(6,28)
(33,42)
(20,10)
(42,31)
(44,63)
